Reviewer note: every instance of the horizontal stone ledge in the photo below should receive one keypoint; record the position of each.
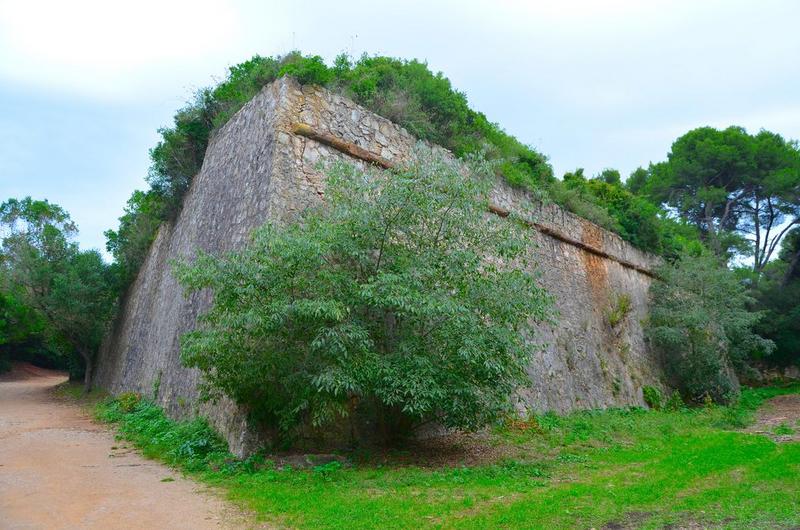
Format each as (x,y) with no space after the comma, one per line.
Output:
(360,153)
(342,145)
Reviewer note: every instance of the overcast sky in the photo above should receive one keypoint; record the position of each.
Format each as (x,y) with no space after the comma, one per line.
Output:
(84,85)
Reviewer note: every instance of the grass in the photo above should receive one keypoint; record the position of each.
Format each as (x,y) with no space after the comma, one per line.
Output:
(783,429)
(628,467)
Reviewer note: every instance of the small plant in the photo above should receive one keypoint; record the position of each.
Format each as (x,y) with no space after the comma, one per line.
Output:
(569,458)
(128,401)
(191,445)
(548,421)
(620,309)
(624,351)
(516,424)
(327,471)
(653,397)
(156,385)
(675,402)
(783,430)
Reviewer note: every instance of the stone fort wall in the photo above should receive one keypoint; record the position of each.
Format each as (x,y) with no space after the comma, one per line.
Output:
(264,164)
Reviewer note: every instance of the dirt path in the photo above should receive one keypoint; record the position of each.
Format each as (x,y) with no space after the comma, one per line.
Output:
(58,470)
(779,419)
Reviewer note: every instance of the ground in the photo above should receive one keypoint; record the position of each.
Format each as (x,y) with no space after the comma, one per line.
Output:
(709,467)
(59,469)
(780,419)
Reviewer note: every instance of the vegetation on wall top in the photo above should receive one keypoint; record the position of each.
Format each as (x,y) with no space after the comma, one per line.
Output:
(406,92)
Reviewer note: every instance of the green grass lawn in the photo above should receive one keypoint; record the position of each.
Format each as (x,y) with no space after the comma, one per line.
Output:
(620,468)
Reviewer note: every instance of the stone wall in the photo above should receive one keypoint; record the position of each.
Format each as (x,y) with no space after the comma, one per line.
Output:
(265,164)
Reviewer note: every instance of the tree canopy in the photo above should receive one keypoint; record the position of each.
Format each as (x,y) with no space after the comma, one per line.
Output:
(778,294)
(71,292)
(741,191)
(609,203)
(701,322)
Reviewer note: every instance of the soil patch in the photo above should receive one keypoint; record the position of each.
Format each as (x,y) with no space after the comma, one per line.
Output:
(60,470)
(779,419)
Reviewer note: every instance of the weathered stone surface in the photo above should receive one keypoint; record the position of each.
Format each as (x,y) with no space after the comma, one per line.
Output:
(260,166)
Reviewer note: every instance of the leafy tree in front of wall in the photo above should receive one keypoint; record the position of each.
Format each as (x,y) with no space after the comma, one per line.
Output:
(398,300)
(72,290)
(701,326)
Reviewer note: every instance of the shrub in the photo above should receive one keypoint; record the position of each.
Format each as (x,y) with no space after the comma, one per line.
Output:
(653,397)
(783,429)
(307,70)
(607,202)
(620,309)
(191,445)
(700,324)
(128,401)
(387,301)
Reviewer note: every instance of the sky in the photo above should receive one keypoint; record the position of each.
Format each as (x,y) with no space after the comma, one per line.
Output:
(86,84)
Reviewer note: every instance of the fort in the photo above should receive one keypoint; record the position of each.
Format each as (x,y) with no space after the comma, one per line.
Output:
(266,164)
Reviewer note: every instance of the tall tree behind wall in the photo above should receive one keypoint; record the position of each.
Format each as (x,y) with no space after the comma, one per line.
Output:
(742,191)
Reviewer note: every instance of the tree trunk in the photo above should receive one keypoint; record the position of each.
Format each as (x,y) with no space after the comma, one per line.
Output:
(87,374)
(713,238)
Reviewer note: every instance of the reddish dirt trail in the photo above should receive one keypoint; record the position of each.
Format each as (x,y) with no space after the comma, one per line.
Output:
(58,470)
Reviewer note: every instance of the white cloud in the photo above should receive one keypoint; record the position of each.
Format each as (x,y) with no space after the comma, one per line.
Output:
(591,83)
(111,49)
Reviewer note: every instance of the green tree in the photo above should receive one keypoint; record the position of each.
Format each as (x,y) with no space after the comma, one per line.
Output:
(73,291)
(701,325)
(740,190)
(399,299)
(606,201)
(20,326)
(773,192)
(137,229)
(610,176)
(779,296)
(637,180)
(790,255)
